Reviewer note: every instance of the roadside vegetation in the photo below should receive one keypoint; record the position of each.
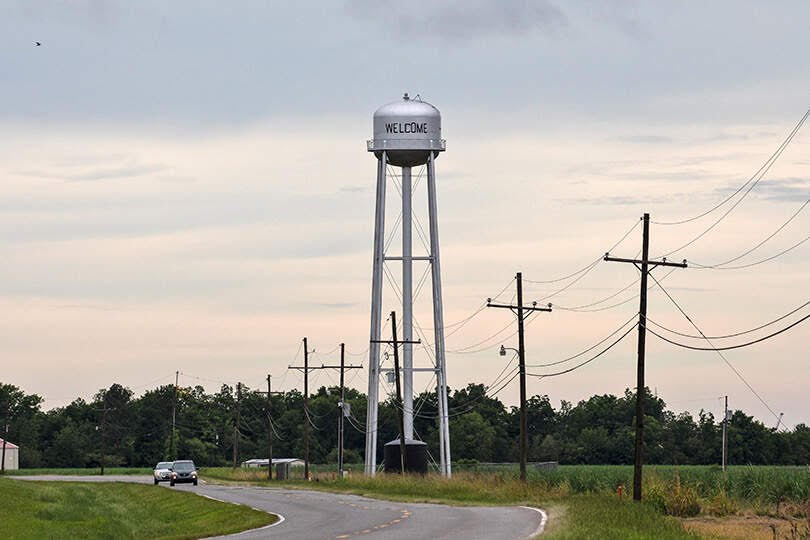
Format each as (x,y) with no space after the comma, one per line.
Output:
(116,510)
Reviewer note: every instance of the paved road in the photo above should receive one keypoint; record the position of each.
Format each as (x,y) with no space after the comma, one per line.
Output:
(316,515)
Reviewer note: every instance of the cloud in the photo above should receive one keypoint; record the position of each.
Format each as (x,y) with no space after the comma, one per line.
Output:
(116,172)
(785,189)
(353,189)
(461,20)
(93,174)
(646,139)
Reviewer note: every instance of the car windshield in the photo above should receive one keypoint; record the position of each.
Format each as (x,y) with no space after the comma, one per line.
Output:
(183,466)
(164,465)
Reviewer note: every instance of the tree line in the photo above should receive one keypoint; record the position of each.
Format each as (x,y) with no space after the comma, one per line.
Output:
(119,428)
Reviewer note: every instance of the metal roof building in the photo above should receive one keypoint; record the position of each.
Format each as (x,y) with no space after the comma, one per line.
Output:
(12,455)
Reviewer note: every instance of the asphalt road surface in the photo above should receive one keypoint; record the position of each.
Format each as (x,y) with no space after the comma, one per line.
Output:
(311,515)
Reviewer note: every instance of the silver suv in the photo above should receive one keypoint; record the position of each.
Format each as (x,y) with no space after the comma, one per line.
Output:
(162,472)
(183,472)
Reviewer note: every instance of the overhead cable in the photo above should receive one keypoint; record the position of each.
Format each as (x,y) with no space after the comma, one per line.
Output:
(589,349)
(736,334)
(586,362)
(718,351)
(773,157)
(759,176)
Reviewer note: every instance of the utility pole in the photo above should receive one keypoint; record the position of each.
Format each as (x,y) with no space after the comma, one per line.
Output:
(342,367)
(400,406)
(342,412)
(103,412)
(237,424)
(305,369)
(522,312)
(725,435)
(645,266)
(174,414)
(269,428)
(5,439)
(401,416)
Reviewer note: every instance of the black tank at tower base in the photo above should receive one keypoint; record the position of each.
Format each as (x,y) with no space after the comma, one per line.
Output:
(416,457)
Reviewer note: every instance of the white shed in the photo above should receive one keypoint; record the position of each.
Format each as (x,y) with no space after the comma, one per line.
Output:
(253,463)
(12,461)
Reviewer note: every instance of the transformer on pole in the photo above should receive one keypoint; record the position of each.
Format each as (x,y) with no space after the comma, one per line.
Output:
(407,133)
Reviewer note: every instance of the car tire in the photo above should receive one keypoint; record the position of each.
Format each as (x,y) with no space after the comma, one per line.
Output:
(156,481)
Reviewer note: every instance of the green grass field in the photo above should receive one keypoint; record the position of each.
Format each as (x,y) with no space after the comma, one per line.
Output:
(116,510)
(81,472)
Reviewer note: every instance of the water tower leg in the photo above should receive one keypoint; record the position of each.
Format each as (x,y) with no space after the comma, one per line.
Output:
(376,316)
(407,303)
(438,321)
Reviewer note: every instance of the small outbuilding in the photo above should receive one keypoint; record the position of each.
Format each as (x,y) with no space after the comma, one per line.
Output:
(290,462)
(12,455)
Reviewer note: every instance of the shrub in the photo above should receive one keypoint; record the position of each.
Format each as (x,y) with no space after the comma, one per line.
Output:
(721,505)
(682,501)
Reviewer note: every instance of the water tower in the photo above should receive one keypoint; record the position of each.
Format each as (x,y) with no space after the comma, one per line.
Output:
(407,133)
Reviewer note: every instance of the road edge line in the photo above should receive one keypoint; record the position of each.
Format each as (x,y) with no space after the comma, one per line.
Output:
(543,520)
(281,518)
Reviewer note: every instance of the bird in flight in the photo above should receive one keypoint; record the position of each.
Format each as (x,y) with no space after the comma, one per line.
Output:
(38,44)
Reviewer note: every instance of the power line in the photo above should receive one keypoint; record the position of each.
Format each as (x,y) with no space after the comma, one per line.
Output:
(611,306)
(730,347)
(590,265)
(729,364)
(738,257)
(773,157)
(588,361)
(764,170)
(736,334)
(739,267)
(589,349)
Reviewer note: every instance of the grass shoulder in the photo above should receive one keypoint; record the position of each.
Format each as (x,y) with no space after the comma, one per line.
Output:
(75,471)
(117,510)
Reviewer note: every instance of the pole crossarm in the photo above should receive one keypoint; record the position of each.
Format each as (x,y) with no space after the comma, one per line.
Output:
(338,367)
(525,308)
(649,263)
(396,342)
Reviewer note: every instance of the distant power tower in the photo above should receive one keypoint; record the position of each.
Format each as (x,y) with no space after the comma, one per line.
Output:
(407,133)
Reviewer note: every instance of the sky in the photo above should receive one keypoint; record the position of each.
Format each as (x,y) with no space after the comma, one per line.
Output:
(184,186)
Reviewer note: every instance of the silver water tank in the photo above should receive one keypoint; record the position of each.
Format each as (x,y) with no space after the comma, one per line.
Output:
(408,130)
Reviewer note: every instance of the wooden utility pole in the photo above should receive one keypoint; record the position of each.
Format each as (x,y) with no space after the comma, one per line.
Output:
(269,428)
(401,415)
(103,445)
(237,423)
(5,439)
(174,415)
(645,266)
(522,312)
(305,368)
(342,412)
(725,435)
(342,367)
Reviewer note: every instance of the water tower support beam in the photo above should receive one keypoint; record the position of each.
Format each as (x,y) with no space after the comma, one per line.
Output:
(376,319)
(438,321)
(407,302)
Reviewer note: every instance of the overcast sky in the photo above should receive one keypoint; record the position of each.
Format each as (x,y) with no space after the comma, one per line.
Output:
(184,186)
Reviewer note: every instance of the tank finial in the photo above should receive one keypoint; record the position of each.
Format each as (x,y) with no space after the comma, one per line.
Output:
(405,97)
